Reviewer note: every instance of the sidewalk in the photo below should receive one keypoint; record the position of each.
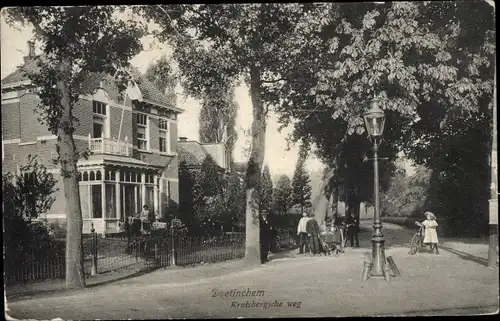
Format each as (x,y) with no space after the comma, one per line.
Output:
(169,275)
(28,289)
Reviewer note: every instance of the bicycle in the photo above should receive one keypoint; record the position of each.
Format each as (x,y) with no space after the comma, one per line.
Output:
(417,241)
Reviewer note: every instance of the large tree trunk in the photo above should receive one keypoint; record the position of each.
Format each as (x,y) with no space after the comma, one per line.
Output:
(322,200)
(257,152)
(68,157)
(334,201)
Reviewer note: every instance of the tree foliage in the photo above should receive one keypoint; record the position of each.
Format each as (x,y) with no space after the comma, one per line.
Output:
(282,195)
(29,193)
(301,187)
(218,116)
(210,178)
(162,75)
(266,190)
(188,194)
(412,58)
(235,201)
(406,195)
(76,42)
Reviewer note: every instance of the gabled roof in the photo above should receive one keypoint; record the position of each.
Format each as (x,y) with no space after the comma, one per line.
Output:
(191,153)
(148,91)
(18,75)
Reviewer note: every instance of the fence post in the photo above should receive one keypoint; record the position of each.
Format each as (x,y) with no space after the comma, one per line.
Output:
(172,240)
(93,250)
(136,252)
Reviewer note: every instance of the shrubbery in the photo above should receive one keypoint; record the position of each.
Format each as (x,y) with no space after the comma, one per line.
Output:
(26,195)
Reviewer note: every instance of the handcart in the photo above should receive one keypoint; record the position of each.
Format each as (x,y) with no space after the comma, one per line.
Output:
(332,240)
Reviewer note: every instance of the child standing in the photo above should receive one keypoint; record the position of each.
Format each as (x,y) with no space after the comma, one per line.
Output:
(430,234)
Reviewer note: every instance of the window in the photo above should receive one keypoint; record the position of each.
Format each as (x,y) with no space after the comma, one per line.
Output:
(163,134)
(98,127)
(110,201)
(142,126)
(99,119)
(96,196)
(150,198)
(99,108)
(84,196)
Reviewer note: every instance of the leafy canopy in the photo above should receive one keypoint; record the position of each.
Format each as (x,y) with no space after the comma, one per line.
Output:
(29,193)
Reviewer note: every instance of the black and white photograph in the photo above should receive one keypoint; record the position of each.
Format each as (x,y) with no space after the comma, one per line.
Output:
(249,160)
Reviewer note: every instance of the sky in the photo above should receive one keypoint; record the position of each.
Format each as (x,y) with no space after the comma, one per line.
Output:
(277,157)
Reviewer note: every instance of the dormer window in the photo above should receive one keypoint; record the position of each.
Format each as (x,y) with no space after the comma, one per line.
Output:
(99,119)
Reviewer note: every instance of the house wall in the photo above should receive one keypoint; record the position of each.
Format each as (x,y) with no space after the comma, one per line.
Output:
(83,112)
(10,119)
(173,136)
(217,152)
(154,136)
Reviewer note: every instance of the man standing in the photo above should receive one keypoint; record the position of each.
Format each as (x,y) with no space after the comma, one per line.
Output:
(352,229)
(312,229)
(264,237)
(302,233)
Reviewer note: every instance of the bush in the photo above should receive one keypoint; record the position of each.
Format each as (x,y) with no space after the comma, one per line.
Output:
(26,242)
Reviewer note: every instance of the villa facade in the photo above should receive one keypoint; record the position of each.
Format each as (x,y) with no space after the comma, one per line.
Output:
(132,145)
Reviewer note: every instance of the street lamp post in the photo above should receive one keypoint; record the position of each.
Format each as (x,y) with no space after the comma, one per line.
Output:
(374,121)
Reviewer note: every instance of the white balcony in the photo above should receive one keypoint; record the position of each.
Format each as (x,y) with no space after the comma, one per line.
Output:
(109,146)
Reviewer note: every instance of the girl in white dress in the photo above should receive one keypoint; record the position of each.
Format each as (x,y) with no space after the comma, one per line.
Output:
(430,234)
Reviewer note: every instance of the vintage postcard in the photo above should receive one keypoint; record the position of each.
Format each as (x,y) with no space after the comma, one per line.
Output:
(251,160)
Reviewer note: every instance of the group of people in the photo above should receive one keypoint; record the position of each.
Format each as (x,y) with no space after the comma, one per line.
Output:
(308,232)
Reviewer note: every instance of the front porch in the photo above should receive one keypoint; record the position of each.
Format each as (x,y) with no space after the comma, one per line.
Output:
(111,193)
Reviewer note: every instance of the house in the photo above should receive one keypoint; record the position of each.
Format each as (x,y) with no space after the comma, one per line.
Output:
(192,154)
(132,143)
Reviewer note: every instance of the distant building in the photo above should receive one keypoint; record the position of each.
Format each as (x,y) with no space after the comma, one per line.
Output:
(193,153)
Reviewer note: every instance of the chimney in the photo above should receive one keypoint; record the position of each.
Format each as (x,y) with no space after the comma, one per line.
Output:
(31,51)
(183,139)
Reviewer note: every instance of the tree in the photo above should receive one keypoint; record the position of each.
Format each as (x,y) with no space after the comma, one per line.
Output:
(409,58)
(161,74)
(266,190)
(218,116)
(211,190)
(406,195)
(235,200)
(77,41)
(188,195)
(214,43)
(29,193)
(300,182)
(283,195)
(210,178)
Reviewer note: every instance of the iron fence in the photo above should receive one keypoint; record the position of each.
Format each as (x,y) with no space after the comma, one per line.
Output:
(31,269)
(104,255)
(195,250)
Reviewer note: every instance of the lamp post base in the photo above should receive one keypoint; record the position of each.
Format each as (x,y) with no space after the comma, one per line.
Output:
(378,257)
